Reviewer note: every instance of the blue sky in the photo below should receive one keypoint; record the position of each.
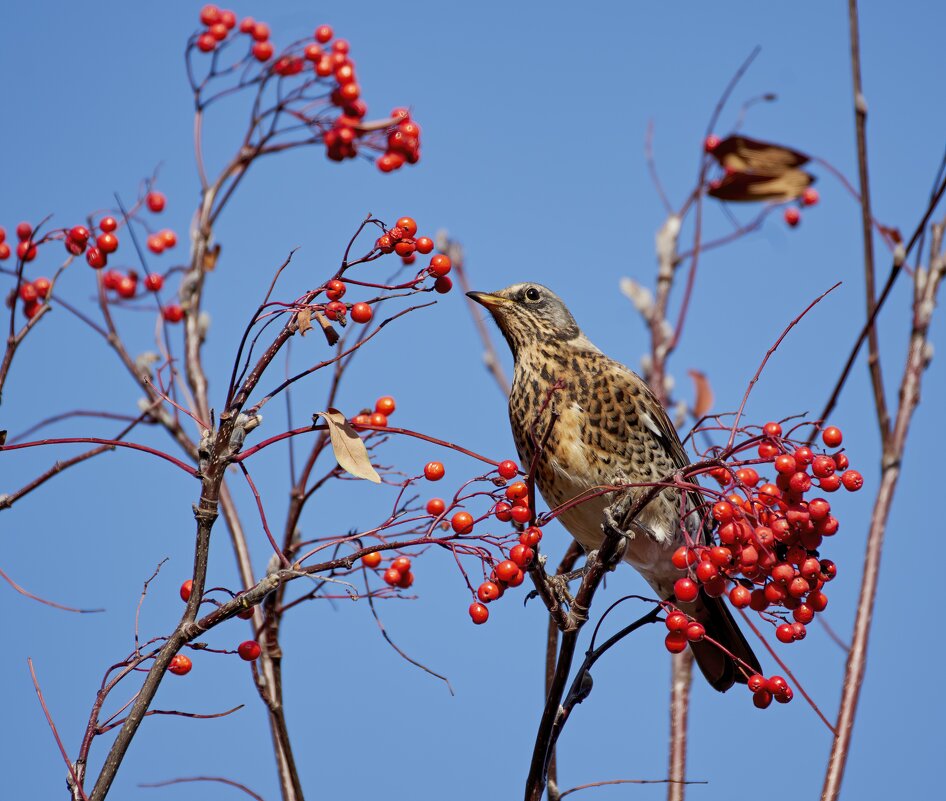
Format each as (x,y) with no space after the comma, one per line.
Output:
(533,130)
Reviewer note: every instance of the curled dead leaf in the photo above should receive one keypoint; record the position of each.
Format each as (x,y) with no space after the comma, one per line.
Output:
(742,154)
(703,401)
(350,452)
(304,320)
(743,187)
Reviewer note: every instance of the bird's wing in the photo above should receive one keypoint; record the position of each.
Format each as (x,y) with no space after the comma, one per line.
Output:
(655,417)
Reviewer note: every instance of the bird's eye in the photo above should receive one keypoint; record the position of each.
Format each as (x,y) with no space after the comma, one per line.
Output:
(532,293)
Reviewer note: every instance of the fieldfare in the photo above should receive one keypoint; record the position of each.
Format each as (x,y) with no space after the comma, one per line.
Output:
(608,430)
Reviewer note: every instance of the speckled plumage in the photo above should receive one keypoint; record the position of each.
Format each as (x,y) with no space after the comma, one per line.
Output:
(608,430)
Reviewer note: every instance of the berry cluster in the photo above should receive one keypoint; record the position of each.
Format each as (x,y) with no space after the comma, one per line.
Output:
(383,408)
(402,239)
(33,294)
(25,249)
(330,60)
(766,553)
(398,574)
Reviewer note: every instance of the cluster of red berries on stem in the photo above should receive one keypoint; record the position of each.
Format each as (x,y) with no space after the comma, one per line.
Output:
(25,249)
(383,408)
(33,294)
(766,554)
(402,239)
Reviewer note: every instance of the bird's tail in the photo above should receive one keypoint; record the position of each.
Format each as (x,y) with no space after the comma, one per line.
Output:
(719,668)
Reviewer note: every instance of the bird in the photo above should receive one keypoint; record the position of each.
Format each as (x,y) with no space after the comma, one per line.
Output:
(607,429)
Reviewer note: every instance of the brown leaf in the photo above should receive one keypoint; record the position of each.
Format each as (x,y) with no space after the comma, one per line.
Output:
(704,393)
(304,321)
(744,187)
(210,258)
(742,154)
(350,452)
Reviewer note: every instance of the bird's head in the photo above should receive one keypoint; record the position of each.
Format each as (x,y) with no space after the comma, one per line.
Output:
(529,313)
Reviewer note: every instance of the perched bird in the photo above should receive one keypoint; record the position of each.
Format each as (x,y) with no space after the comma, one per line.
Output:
(608,430)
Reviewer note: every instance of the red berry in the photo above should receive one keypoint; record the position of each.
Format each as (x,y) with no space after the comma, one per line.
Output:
(156,201)
(785,633)
(852,480)
(440,265)
(107,243)
(462,523)
(323,33)
(260,32)
(127,286)
(335,310)
(683,557)
(424,244)
(810,196)
(675,641)
(108,224)
(722,511)
(335,289)
(762,699)
(186,589)
(479,613)
(341,46)
(180,665)
(154,282)
(443,285)
(792,216)
(711,143)
(392,576)
(209,14)
(508,469)
(206,42)
(522,555)
(28,293)
(169,237)
(218,31)
(249,651)
(24,231)
(748,476)
(830,483)
(385,405)
(378,419)
(247,24)
(436,507)
(407,579)
(433,471)
(772,430)
(262,51)
(503,511)
(172,313)
(677,621)
(506,570)
(361,313)
(26,250)
(685,590)
(521,514)
(739,596)
(517,490)
(695,631)
(488,591)
(407,225)
(785,464)
(42,286)
(402,564)
(532,536)
(372,559)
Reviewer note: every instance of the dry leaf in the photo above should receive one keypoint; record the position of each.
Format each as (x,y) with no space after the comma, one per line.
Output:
(742,154)
(740,186)
(350,452)
(704,393)
(304,320)
(210,258)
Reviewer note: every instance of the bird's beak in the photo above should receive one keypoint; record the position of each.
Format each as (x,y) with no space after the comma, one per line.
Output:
(487,300)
